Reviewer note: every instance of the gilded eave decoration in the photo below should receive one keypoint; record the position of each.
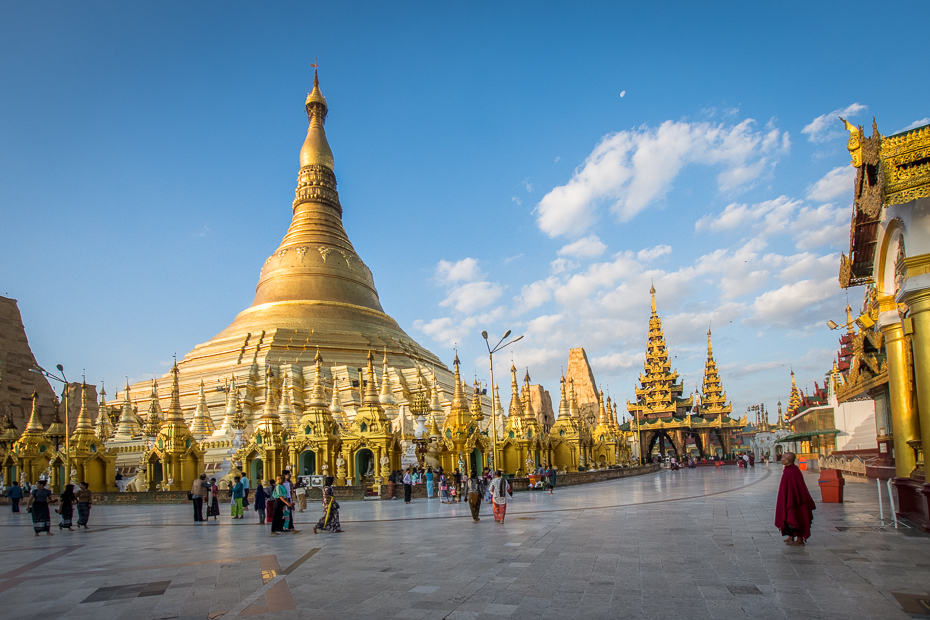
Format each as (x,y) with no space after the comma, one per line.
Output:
(905,166)
(856,269)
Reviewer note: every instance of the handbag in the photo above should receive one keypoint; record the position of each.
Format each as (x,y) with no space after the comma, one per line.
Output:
(190,496)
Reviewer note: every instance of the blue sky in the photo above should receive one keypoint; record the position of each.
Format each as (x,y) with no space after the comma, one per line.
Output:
(530,166)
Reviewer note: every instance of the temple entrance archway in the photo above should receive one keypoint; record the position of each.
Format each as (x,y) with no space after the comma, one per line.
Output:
(365,466)
(256,471)
(306,463)
(156,474)
(663,442)
(476,461)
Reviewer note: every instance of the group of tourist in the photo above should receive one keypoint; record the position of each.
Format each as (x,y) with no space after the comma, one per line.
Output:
(40,498)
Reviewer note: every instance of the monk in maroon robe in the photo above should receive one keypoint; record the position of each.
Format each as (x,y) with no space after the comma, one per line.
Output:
(794,511)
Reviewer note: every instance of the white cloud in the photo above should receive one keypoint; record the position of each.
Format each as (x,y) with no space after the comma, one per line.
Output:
(618,360)
(466,298)
(630,170)
(586,247)
(838,182)
(561,265)
(786,306)
(653,253)
(529,186)
(536,294)
(516,200)
(828,127)
(772,216)
(465,270)
(918,123)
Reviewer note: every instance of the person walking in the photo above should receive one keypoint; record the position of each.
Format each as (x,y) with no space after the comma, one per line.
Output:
(473,492)
(429,483)
(281,517)
(553,472)
(237,494)
(300,490)
(269,500)
(291,497)
(39,499)
(457,478)
(261,500)
(752,459)
(198,493)
(213,502)
(15,493)
(66,507)
(500,490)
(408,488)
(245,490)
(392,484)
(794,507)
(329,522)
(84,500)
(443,490)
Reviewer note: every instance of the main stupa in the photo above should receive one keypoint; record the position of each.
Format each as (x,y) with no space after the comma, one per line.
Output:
(314,293)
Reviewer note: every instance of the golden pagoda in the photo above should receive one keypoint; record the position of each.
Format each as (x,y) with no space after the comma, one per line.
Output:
(462,438)
(32,450)
(314,292)
(660,415)
(604,450)
(523,434)
(794,400)
(316,443)
(566,436)
(174,460)
(90,461)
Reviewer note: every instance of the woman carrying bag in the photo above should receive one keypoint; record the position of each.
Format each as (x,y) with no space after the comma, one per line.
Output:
(329,522)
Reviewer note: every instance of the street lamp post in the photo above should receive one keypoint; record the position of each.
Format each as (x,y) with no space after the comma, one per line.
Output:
(64,395)
(491,352)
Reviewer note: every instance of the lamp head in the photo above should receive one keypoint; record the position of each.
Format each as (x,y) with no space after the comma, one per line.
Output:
(60,368)
(520,337)
(484,335)
(507,333)
(832,324)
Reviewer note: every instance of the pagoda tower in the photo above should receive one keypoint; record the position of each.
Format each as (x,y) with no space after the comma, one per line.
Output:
(714,399)
(313,292)
(794,400)
(659,394)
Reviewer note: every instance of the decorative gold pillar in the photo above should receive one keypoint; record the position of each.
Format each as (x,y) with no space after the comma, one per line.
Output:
(919,304)
(906,425)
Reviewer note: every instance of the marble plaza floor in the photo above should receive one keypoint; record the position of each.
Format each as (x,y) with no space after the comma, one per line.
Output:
(691,544)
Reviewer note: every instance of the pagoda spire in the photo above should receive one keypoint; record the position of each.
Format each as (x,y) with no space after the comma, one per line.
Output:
(35,424)
(528,411)
(458,393)
(602,419)
(713,399)
(201,423)
(659,394)
(286,408)
(269,411)
(386,397)
(127,427)
(103,426)
(175,415)
(317,396)
(84,422)
(371,391)
(573,409)
(516,405)
(563,401)
(153,420)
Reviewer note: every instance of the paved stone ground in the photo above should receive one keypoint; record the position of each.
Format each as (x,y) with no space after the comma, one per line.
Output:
(692,544)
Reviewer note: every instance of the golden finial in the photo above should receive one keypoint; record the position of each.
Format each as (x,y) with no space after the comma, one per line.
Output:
(652,291)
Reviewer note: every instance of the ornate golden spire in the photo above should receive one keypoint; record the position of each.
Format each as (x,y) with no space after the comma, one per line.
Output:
(602,413)
(528,411)
(317,396)
(573,409)
(516,404)
(563,401)
(458,393)
(269,411)
(659,393)
(371,391)
(153,420)
(477,414)
(35,424)
(286,409)
(84,423)
(713,398)
(175,415)
(201,423)
(128,427)
(316,151)
(386,397)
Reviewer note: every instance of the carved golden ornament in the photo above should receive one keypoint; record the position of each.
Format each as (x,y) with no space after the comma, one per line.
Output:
(905,166)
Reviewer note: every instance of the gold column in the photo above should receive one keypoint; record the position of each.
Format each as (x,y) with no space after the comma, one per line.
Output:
(906,425)
(919,303)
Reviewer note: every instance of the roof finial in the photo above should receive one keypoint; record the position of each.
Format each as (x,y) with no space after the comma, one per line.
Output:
(316,65)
